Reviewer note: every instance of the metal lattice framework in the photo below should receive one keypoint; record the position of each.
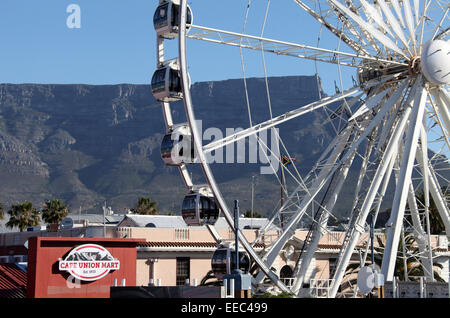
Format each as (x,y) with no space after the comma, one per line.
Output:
(396,113)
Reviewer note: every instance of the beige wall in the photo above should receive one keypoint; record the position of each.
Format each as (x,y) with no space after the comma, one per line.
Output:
(165,267)
(191,234)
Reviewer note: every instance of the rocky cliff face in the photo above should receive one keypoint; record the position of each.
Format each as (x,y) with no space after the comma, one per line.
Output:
(87,144)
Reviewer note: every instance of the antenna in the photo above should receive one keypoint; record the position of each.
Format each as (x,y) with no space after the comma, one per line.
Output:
(236,232)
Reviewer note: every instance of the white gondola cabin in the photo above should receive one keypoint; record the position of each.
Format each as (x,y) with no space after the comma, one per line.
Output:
(199,207)
(177,146)
(166,82)
(166,18)
(223,262)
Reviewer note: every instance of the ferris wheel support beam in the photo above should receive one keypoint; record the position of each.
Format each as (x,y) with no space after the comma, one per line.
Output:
(318,184)
(402,188)
(202,158)
(381,194)
(320,227)
(424,147)
(419,232)
(285,48)
(436,194)
(384,168)
(330,147)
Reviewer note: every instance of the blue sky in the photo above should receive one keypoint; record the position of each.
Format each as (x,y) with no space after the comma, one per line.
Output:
(116,42)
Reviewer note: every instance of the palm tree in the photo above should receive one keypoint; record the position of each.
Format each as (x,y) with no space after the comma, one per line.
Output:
(145,206)
(413,267)
(213,280)
(54,212)
(1,212)
(436,224)
(22,216)
(252,214)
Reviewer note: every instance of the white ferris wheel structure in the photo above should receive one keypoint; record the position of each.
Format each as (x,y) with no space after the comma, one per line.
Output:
(393,125)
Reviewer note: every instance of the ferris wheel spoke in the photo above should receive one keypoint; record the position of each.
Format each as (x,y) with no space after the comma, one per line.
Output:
(368,28)
(286,48)
(340,33)
(363,34)
(377,98)
(393,22)
(436,119)
(416,10)
(370,103)
(443,102)
(277,120)
(398,12)
(439,26)
(410,22)
(372,13)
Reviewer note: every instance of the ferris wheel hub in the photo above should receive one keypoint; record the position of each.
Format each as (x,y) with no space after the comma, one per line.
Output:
(435,62)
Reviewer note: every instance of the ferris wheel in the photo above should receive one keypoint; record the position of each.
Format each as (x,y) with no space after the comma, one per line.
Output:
(392,126)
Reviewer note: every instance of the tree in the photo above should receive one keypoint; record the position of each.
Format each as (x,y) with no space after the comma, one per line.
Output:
(413,267)
(54,211)
(145,206)
(1,212)
(210,280)
(436,224)
(250,214)
(22,216)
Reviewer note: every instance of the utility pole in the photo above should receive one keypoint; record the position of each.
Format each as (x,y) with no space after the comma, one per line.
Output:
(253,193)
(104,223)
(236,232)
(282,192)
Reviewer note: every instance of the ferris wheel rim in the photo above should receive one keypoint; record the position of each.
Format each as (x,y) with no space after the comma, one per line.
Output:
(205,166)
(183,38)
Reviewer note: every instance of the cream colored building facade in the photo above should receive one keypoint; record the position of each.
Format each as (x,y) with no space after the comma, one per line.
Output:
(171,245)
(174,252)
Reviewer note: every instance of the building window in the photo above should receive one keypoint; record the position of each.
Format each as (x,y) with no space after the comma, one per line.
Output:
(286,274)
(183,270)
(332,265)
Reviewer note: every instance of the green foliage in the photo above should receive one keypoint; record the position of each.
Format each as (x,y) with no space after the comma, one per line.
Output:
(413,267)
(1,212)
(145,206)
(250,214)
(436,224)
(280,295)
(210,280)
(22,216)
(54,211)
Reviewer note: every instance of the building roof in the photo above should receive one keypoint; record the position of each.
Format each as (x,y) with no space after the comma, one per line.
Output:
(171,221)
(13,281)
(97,218)
(185,244)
